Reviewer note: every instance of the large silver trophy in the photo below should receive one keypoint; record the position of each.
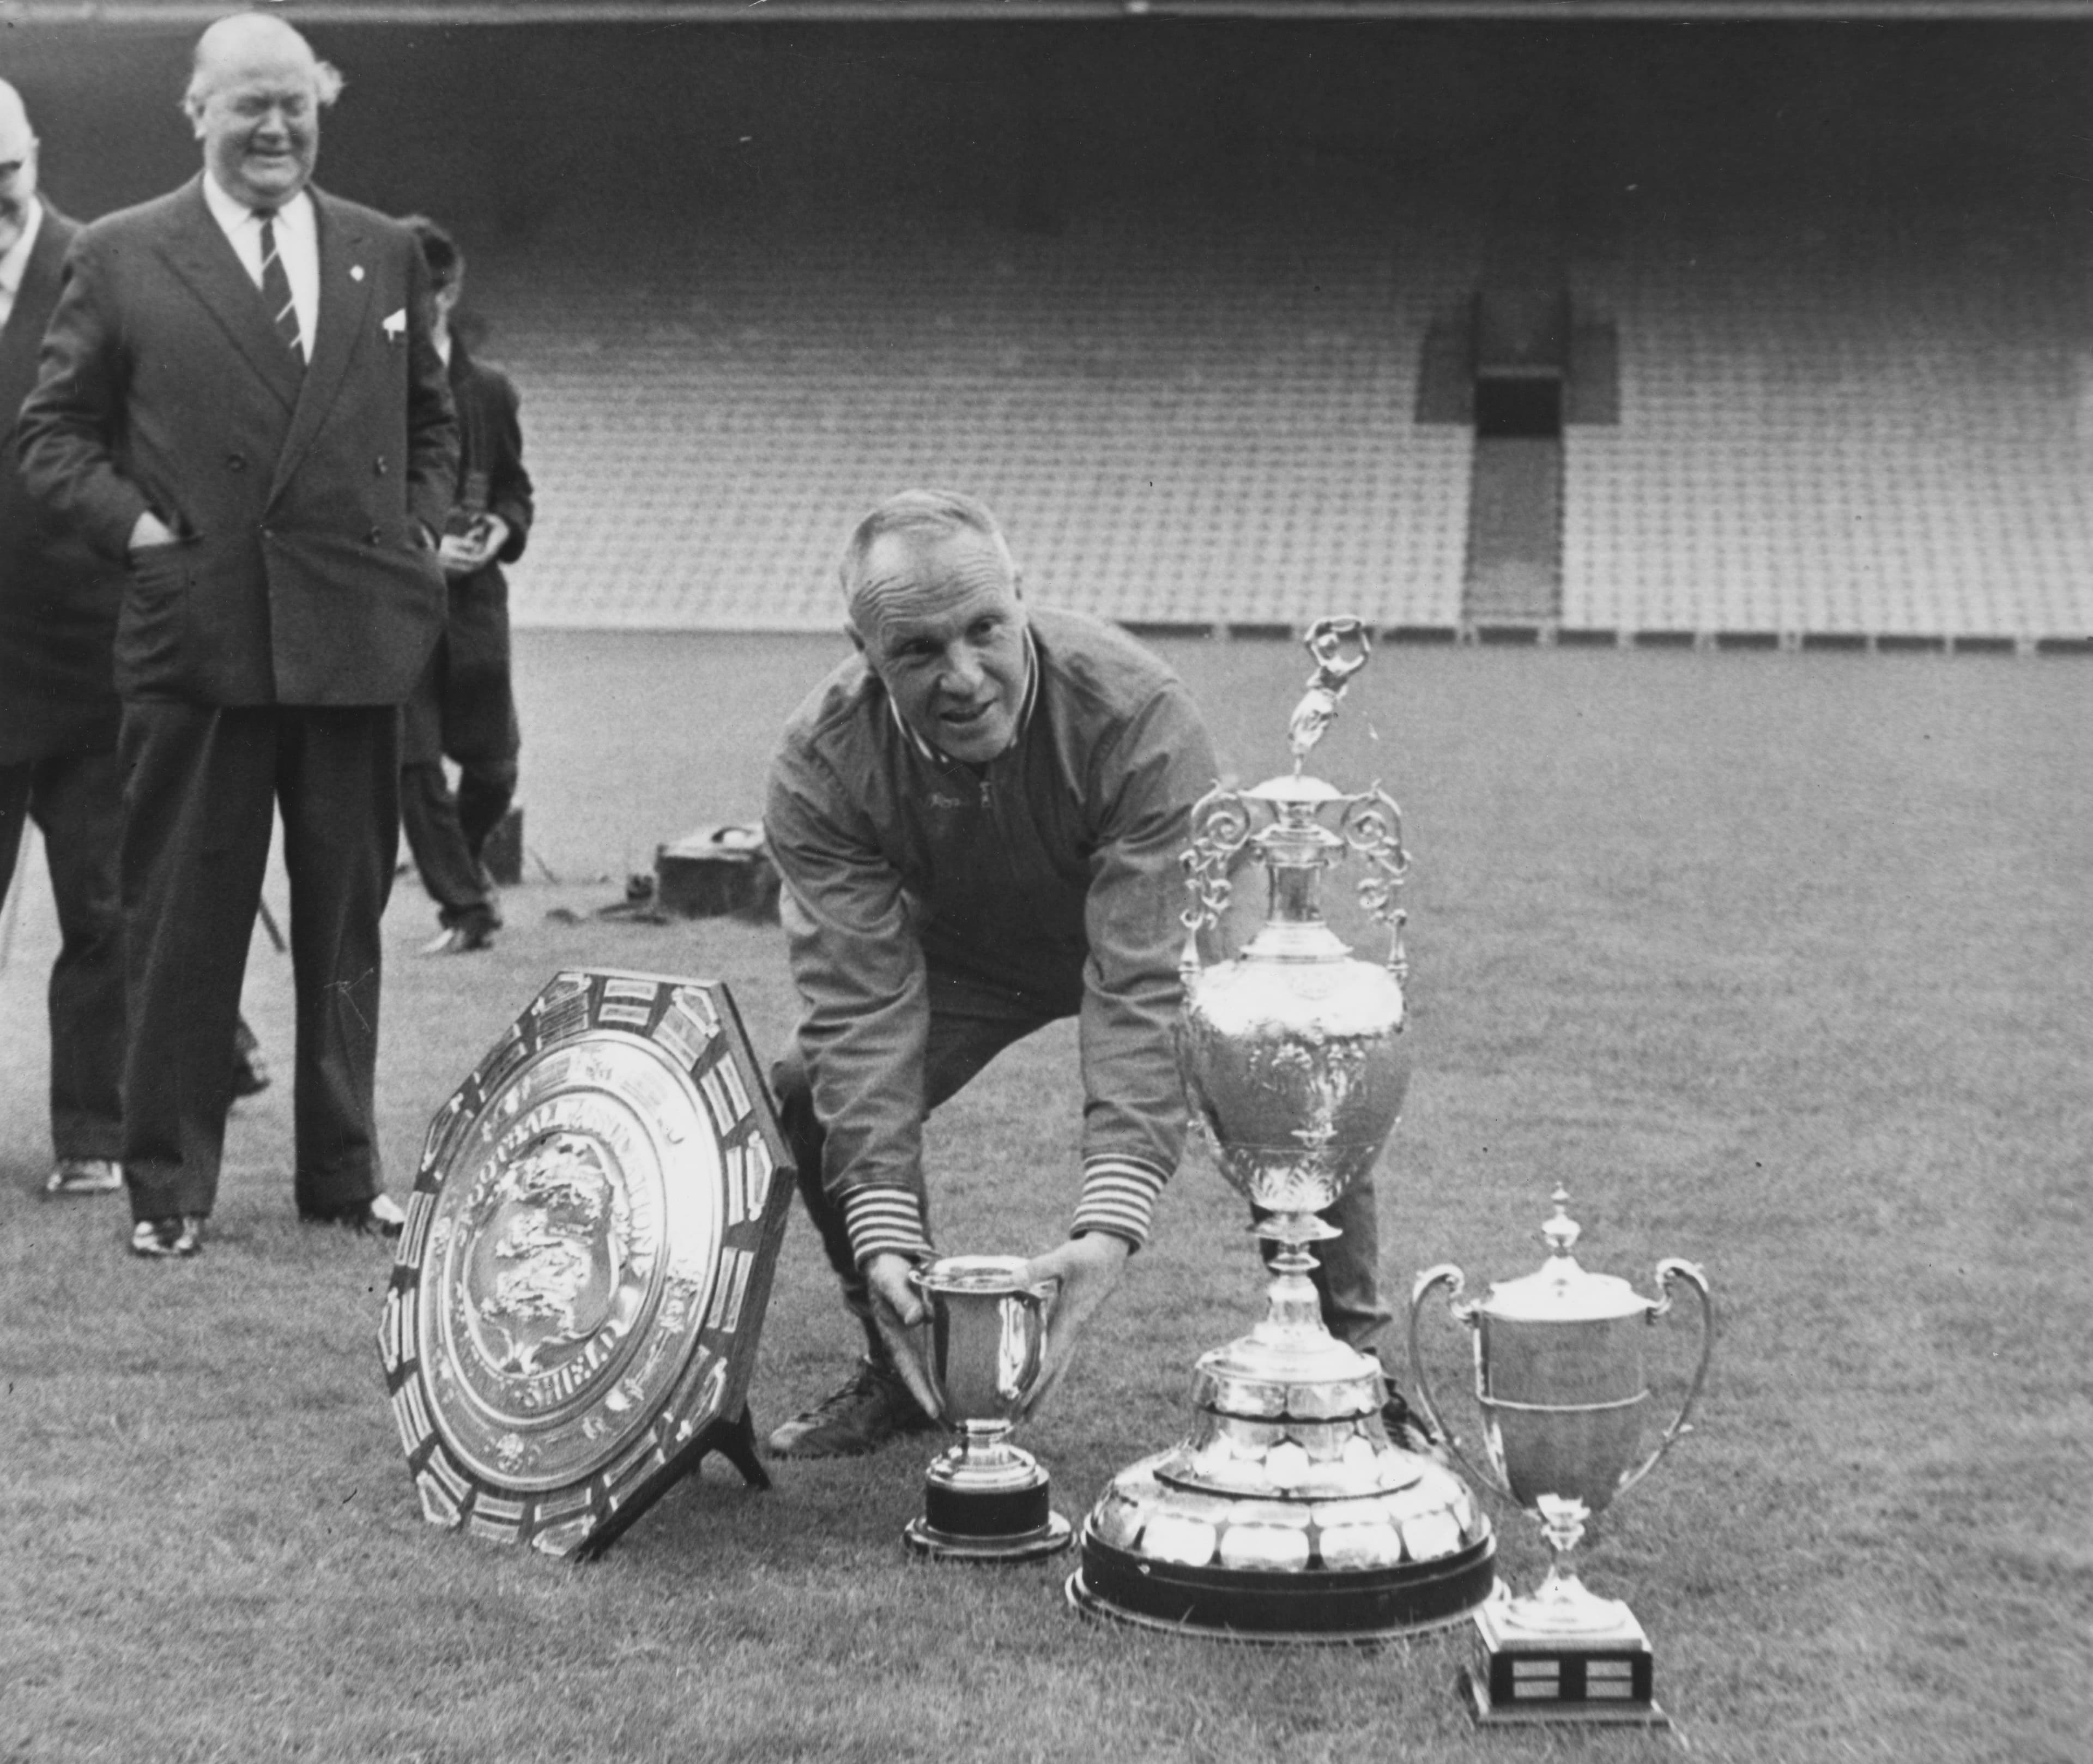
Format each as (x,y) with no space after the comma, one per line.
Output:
(1289,1515)
(1559,1378)
(985,1499)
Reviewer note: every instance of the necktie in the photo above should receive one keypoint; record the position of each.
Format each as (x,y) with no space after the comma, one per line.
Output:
(276,287)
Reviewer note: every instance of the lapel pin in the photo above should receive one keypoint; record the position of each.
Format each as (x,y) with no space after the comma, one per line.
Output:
(356,272)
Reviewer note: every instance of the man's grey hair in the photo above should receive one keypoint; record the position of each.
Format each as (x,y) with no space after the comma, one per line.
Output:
(328,81)
(927,516)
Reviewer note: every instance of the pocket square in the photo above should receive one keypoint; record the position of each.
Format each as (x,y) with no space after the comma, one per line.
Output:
(394,325)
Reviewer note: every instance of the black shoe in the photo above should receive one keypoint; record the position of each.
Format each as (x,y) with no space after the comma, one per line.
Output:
(464,938)
(873,1408)
(1410,1430)
(84,1175)
(165,1239)
(250,1074)
(378,1217)
(250,1071)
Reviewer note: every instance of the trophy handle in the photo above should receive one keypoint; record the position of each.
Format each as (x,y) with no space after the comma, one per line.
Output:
(1671,1268)
(1445,1271)
(1220,825)
(1372,827)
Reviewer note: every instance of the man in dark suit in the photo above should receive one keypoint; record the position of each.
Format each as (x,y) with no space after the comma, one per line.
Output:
(58,709)
(465,707)
(239,399)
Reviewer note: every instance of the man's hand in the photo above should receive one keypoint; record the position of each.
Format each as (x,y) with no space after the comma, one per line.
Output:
(462,553)
(898,1313)
(1088,1268)
(148,531)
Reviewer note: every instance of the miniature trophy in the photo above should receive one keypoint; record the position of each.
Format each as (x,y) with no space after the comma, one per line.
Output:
(1559,1378)
(1289,1515)
(984,1499)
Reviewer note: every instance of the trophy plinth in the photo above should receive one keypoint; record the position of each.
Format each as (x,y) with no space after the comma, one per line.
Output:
(1288,1514)
(984,1499)
(1559,1379)
(1596,1669)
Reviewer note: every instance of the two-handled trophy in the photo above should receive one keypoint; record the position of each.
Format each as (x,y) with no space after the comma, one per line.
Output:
(985,1499)
(1559,1379)
(1289,1515)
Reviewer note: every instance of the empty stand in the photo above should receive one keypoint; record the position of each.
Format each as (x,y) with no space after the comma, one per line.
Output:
(1856,427)
(1837,280)
(1190,414)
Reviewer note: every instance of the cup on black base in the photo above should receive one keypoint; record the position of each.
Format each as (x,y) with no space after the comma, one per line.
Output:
(1559,1379)
(984,1499)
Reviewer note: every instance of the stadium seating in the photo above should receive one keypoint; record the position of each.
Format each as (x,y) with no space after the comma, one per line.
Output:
(1196,415)
(1202,414)
(1848,428)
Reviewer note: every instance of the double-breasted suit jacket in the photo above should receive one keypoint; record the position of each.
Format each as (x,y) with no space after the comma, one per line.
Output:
(303,498)
(57,739)
(260,655)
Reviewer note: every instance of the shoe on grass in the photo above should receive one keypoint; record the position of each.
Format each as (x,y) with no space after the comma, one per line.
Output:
(463,938)
(378,1217)
(250,1072)
(164,1240)
(84,1175)
(873,1408)
(1411,1431)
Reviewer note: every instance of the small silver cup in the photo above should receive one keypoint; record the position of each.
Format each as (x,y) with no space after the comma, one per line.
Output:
(985,1499)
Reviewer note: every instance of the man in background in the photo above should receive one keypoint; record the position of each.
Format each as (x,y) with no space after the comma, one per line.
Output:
(239,401)
(465,707)
(58,708)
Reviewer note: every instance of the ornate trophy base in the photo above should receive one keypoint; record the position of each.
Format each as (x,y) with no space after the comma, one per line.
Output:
(1534,1667)
(998,1510)
(1289,1515)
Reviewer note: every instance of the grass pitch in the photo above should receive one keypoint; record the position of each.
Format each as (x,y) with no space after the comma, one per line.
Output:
(1777,962)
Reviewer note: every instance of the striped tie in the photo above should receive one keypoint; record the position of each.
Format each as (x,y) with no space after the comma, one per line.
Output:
(276,287)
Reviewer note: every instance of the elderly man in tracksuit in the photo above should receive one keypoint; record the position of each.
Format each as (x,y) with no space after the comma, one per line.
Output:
(978,821)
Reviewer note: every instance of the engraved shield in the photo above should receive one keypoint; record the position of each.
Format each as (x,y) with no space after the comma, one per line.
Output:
(574,1307)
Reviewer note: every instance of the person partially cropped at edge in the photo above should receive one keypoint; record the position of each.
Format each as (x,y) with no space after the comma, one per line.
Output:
(60,715)
(978,821)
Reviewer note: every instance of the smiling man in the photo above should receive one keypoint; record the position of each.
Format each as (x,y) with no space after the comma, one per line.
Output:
(240,404)
(979,821)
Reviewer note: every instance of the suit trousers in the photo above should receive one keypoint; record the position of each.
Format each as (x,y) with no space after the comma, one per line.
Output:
(201,786)
(970,1025)
(77,800)
(447,831)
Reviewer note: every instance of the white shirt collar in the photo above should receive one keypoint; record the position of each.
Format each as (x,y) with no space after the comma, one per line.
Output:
(230,213)
(15,262)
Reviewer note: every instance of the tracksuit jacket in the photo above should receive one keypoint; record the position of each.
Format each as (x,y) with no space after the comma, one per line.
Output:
(1050,875)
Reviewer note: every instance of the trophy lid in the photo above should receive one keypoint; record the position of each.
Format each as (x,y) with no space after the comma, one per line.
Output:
(1294,788)
(1560,1291)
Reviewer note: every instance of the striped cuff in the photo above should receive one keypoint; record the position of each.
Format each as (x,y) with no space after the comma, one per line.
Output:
(1119,1197)
(884,1220)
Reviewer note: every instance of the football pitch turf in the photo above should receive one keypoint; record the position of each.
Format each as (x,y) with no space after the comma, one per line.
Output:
(1777,961)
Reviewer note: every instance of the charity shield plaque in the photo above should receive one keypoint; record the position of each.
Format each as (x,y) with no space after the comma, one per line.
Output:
(574,1307)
